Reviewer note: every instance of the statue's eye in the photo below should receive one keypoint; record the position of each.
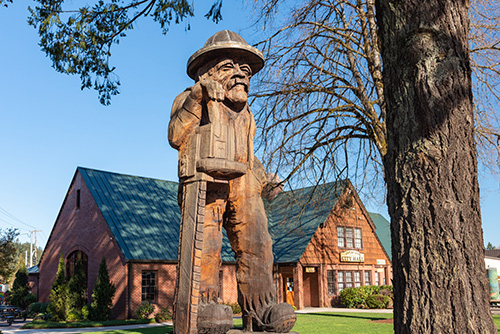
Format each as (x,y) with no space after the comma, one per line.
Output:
(246,69)
(227,66)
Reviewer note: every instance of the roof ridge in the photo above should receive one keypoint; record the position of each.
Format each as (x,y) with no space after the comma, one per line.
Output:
(125,174)
(315,186)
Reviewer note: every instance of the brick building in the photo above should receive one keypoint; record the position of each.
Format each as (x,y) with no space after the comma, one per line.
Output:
(324,240)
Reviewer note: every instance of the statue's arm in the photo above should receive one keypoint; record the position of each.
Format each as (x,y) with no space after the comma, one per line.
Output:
(185,117)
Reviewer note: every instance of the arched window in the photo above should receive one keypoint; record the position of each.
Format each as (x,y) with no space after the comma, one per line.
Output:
(71,262)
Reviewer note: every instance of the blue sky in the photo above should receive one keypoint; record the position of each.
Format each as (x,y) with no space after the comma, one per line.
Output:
(49,127)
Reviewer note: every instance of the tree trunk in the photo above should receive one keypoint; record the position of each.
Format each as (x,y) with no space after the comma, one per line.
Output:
(440,283)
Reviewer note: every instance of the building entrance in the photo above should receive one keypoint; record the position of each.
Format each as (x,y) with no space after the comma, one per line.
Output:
(310,287)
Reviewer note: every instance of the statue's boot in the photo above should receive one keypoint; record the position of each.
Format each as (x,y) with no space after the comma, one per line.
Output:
(214,319)
(277,318)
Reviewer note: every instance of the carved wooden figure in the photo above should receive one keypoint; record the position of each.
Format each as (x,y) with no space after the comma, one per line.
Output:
(220,186)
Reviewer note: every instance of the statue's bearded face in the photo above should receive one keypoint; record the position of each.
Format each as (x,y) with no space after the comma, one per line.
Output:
(234,75)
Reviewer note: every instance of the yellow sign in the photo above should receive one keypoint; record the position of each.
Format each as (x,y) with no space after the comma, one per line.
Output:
(352,256)
(310,270)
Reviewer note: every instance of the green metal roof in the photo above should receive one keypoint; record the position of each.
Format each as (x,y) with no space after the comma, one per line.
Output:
(142,213)
(383,229)
(294,217)
(144,217)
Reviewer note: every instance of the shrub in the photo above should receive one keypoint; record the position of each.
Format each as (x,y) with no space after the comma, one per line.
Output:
(145,310)
(163,315)
(77,286)
(30,299)
(37,307)
(235,307)
(355,297)
(20,289)
(58,307)
(386,292)
(42,316)
(86,312)
(377,301)
(103,294)
(73,316)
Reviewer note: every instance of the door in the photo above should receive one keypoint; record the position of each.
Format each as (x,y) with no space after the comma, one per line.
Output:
(310,287)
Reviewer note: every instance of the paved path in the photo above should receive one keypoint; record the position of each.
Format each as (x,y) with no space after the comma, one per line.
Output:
(16,327)
(340,309)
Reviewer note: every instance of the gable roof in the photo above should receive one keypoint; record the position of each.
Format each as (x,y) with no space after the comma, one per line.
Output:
(144,217)
(294,217)
(142,213)
(383,229)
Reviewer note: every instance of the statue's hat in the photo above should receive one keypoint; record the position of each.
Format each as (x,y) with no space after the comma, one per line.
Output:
(223,43)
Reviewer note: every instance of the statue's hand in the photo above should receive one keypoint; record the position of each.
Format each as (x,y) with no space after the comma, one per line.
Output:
(207,89)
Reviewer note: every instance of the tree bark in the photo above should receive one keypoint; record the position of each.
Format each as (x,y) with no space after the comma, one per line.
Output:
(440,283)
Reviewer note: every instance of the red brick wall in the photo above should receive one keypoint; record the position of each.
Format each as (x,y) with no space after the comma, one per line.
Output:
(83,229)
(165,282)
(230,293)
(166,285)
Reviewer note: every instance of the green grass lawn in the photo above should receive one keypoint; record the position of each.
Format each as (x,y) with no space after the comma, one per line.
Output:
(313,323)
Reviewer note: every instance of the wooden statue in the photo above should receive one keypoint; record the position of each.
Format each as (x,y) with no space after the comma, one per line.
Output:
(220,186)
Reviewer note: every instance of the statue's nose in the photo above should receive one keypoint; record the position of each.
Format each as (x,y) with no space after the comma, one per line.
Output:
(238,72)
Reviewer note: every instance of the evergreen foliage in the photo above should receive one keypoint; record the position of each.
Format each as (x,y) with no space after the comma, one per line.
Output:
(8,253)
(77,287)
(490,246)
(58,297)
(20,289)
(102,296)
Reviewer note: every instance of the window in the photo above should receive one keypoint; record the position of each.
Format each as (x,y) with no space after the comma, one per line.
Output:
(149,286)
(348,237)
(347,279)
(331,282)
(367,278)
(72,260)
(357,238)
(78,199)
(377,278)
(357,279)
(340,237)
(340,280)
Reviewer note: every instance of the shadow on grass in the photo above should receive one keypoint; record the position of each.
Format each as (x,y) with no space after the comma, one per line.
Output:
(366,316)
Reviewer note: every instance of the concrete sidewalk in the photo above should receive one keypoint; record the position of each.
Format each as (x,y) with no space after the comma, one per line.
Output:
(16,327)
(340,309)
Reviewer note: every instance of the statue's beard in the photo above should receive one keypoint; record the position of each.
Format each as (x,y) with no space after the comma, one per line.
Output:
(236,95)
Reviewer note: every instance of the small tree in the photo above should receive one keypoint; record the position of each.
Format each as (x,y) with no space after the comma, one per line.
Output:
(77,287)
(20,288)
(58,297)
(102,296)
(8,253)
